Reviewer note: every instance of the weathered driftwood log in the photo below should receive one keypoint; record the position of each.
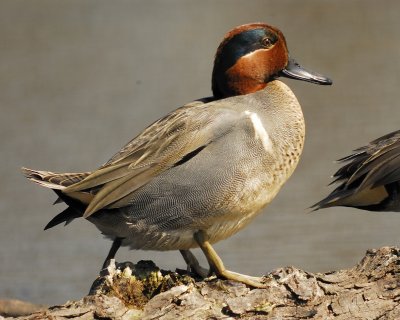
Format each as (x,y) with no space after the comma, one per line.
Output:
(370,290)
(15,308)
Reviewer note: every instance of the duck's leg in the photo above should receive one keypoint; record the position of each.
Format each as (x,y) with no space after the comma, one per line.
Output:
(113,250)
(218,267)
(193,264)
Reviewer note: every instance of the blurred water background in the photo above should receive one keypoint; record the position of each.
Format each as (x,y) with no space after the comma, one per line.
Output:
(78,79)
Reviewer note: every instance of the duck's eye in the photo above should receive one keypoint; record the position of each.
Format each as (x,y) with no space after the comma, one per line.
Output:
(266,42)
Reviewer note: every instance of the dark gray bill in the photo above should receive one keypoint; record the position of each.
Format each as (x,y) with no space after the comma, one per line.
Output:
(294,71)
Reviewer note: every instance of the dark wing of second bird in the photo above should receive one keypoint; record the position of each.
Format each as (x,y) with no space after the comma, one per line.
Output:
(370,178)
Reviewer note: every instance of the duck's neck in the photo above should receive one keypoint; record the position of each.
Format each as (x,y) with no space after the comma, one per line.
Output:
(224,86)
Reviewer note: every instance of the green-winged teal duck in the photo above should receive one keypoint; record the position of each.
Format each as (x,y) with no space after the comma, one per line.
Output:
(204,171)
(370,179)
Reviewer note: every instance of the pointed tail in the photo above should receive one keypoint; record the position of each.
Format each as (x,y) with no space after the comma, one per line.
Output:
(76,201)
(53,180)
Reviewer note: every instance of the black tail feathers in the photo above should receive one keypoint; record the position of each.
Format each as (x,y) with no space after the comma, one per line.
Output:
(75,210)
(66,216)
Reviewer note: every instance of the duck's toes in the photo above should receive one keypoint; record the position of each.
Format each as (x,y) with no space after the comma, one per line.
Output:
(255,282)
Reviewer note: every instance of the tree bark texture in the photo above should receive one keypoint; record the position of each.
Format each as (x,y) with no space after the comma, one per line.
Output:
(370,290)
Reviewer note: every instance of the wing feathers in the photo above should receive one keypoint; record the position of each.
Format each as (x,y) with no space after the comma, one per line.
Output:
(99,177)
(172,140)
(366,174)
(116,190)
